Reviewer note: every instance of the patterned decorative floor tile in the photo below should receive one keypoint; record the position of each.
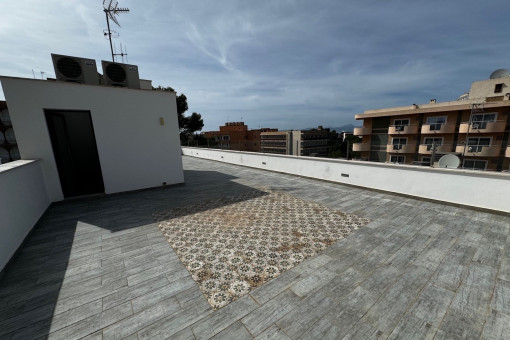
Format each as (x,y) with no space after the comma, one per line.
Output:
(235,244)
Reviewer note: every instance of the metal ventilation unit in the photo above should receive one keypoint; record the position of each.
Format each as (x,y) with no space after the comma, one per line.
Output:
(123,75)
(74,69)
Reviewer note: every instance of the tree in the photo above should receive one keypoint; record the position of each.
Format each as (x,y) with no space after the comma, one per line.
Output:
(334,144)
(349,140)
(187,125)
(191,124)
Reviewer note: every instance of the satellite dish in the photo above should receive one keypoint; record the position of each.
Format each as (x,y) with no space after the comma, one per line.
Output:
(4,156)
(449,161)
(501,73)
(9,136)
(4,117)
(15,155)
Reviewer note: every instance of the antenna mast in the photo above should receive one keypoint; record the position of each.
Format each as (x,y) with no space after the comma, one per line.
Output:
(110,12)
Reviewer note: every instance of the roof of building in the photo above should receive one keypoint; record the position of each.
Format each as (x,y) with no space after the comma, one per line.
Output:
(430,108)
(101,266)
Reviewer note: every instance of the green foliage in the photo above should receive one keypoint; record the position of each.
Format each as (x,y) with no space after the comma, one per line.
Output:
(338,149)
(192,124)
(161,88)
(187,125)
(349,140)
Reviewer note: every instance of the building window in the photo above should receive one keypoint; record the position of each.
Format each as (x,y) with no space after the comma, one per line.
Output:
(498,88)
(429,142)
(435,123)
(476,144)
(425,160)
(397,159)
(400,124)
(226,137)
(398,143)
(480,120)
(475,164)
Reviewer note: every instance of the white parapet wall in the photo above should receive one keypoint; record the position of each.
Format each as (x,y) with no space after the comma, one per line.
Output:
(486,190)
(23,200)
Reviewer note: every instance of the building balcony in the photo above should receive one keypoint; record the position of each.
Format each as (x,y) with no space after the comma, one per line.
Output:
(426,149)
(483,127)
(479,150)
(361,147)
(401,148)
(362,131)
(507,152)
(403,130)
(438,128)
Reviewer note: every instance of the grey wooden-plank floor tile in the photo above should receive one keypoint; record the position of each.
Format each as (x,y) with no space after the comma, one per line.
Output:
(100,268)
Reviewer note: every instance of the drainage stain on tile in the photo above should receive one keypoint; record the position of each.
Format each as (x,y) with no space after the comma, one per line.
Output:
(235,244)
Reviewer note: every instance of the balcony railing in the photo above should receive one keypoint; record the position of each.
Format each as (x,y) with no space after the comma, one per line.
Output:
(361,147)
(401,148)
(403,130)
(426,149)
(362,131)
(483,127)
(479,150)
(438,128)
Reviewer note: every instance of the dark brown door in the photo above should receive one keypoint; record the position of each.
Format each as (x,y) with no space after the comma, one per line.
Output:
(74,146)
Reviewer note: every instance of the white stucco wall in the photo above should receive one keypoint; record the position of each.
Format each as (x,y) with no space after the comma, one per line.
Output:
(485,88)
(472,188)
(23,200)
(135,151)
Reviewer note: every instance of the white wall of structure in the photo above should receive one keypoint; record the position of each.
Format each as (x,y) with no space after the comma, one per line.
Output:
(485,88)
(23,200)
(472,188)
(135,150)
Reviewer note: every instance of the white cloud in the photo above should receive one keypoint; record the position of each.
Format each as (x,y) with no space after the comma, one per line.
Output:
(288,63)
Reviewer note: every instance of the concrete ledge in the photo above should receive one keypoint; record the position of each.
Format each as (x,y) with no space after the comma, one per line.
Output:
(474,189)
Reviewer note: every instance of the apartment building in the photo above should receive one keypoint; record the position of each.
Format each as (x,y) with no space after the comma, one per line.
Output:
(297,142)
(475,128)
(236,136)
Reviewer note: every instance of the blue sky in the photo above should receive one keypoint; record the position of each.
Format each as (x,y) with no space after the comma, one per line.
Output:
(281,63)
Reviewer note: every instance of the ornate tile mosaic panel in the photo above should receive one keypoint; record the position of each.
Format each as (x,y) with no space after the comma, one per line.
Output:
(235,244)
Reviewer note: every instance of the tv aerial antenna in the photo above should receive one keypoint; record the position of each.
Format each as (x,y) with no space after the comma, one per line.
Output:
(111,9)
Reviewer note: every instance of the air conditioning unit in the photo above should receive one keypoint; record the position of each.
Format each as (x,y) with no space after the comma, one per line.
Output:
(122,75)
(76,70)
(399,128)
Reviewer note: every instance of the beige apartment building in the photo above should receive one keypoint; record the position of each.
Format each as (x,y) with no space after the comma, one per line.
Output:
(236,136)
(297,142)
(475,128)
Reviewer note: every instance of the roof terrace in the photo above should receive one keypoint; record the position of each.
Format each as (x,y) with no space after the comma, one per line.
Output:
(103,267)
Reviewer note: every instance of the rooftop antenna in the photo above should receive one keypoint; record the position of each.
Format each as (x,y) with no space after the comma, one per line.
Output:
(111,9)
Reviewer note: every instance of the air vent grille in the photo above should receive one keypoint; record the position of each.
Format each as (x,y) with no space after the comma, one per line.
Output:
(69,67)
(116,73)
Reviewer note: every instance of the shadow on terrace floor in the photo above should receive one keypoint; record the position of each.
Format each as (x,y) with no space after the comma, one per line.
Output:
(63,264)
